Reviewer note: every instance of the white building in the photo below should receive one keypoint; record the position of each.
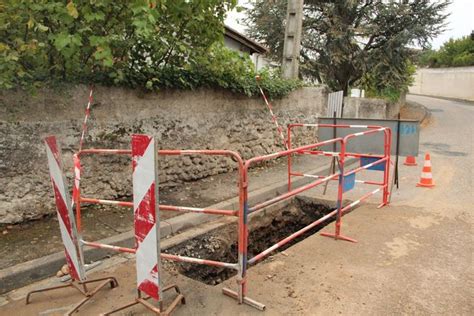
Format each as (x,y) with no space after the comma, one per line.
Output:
(241,43)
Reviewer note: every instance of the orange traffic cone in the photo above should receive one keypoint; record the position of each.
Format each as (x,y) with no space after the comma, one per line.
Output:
(426,179)
(410,161)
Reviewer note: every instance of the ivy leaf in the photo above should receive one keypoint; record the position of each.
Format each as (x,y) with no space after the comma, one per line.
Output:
(71,9)
(42,28)
(61,40)
(30,23)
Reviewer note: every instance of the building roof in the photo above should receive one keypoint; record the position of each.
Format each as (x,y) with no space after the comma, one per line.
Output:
(252,45)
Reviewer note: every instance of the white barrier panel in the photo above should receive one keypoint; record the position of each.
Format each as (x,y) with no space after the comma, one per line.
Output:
(146,215)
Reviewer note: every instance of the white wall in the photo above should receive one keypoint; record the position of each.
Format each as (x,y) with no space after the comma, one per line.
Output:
(455,82)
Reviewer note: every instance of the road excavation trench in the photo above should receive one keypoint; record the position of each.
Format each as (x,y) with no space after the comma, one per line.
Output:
(266,227)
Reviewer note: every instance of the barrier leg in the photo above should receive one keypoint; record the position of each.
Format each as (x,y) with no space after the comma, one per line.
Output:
(69,233)
(387,196)
(157,310)
(147,229)
(337,234)
(241,294)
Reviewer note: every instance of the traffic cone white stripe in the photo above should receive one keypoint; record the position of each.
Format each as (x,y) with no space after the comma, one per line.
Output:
(426,175)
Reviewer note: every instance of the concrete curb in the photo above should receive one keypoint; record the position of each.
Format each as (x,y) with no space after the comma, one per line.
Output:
(34,270)
(420,107)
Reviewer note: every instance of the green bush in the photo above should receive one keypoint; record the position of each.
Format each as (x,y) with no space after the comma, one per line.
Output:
(379,83)
(219,67)
(453,53)
(138,43)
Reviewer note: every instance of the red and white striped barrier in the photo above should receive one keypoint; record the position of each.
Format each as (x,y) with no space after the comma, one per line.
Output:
(86,118)
(274,118)
(77,178)
(146,216)
(67,224)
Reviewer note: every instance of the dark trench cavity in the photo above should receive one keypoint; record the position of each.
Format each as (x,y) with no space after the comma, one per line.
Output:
(266,229)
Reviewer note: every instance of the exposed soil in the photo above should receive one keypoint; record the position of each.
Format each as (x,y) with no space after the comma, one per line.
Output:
(266,229)
(416,111)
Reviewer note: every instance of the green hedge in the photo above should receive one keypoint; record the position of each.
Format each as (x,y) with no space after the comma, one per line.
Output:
(220,67)
(453,53)
(145,44)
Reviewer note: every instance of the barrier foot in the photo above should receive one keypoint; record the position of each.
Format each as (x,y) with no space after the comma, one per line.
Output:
(336,237)
(246,300)
(157,310)
(81,287)
(382,205)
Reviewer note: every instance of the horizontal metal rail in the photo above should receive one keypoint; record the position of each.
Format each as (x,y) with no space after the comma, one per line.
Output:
(167,256)
(163,207)
(294,192)
(299,174)
(291,237)
(367,166)
(333,154)
(364,197)
(303,230)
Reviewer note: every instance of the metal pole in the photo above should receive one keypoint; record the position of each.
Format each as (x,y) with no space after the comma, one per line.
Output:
(332,168)
(395,170)
(397,151)
(288,143)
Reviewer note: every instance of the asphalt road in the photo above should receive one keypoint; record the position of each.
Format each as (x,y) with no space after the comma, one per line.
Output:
(413,257)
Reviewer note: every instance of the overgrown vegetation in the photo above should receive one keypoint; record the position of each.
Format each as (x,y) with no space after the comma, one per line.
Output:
(380,83)
(346,43)
(138,43)
(219,67)
(453,53)
(389,77)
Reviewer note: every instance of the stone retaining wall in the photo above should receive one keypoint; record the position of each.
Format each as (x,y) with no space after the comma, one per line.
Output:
(202,119)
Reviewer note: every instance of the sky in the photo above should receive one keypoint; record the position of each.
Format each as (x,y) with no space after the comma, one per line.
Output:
(459,23)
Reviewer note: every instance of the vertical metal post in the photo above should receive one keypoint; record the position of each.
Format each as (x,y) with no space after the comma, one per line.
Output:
(242,256)
(332,168)
(337,234)
(397,151)
(288,143)
(340,190)
(241,294)
(395,170)
(388,141)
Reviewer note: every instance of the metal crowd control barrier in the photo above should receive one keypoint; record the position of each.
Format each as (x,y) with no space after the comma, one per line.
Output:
(242,237)
(346,182)
(69,233)
(338,212)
